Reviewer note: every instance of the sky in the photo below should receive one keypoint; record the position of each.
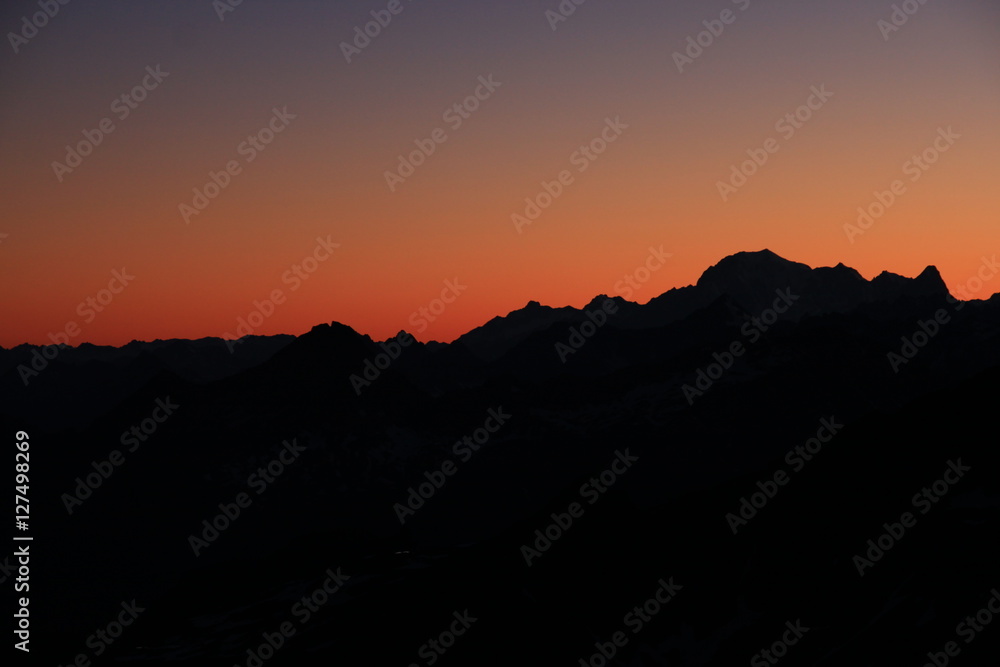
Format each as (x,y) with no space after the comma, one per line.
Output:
(198,168)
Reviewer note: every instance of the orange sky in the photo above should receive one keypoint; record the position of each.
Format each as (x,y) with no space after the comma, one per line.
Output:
(324,174)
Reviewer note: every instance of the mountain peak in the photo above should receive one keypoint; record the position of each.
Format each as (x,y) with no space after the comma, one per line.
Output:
(930,280)
(757,256)
(334,332)
(929,273)
(746,268)
(751,260)
(599,300)
(748,280)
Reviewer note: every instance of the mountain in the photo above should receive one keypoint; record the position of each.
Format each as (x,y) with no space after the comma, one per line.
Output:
(749,279)
(545,474)
(87,379)
(744,285)
(501,333)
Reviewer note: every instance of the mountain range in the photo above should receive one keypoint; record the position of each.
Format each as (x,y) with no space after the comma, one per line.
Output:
(730,291)
(702,396)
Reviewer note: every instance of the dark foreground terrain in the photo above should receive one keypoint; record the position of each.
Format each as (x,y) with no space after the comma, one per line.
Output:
(779,459)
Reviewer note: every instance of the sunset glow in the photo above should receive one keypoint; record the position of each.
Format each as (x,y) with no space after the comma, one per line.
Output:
(263,110)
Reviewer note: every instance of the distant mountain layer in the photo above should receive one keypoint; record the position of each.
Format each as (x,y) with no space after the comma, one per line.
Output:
(85,378)
(748,278)
(739,287)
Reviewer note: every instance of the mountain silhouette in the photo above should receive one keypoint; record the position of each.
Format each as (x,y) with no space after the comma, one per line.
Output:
(426,469)
(748,279)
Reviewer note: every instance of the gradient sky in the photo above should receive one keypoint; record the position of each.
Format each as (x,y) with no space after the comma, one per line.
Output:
(323,176)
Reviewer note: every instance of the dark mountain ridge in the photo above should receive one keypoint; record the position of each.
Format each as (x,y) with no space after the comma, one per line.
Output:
(706,388)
